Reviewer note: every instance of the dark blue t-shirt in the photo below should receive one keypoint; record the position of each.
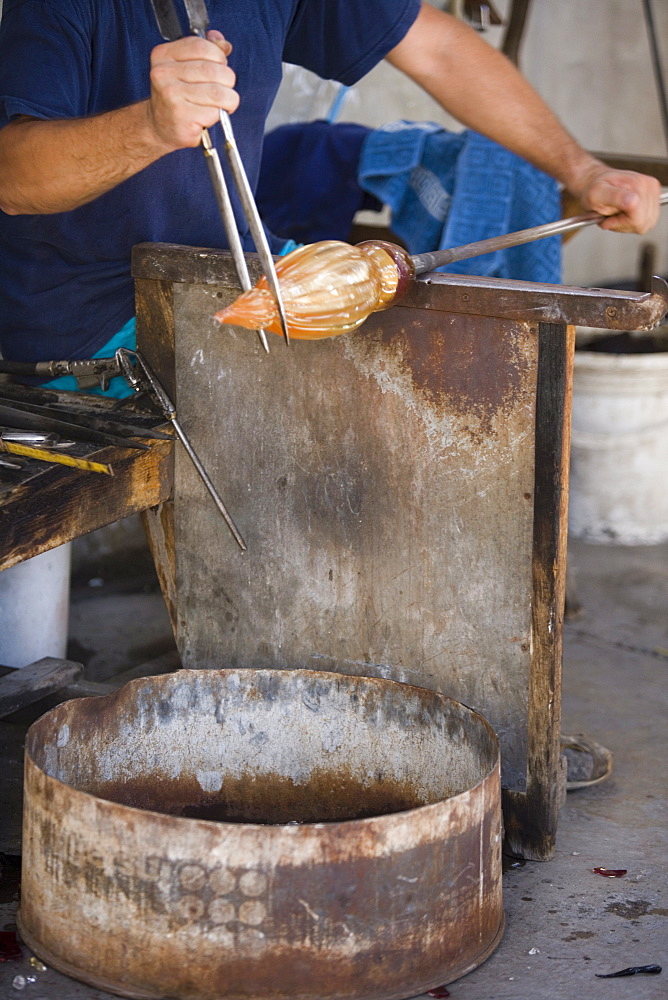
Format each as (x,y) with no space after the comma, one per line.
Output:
(65,283)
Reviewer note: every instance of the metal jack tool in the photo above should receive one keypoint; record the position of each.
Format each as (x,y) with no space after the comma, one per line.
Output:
(143,373)
(170,29)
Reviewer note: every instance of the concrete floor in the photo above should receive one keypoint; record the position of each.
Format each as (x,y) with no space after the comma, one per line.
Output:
(564,923)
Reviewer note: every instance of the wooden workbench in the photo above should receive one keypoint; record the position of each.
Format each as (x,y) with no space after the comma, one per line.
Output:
(44,505)
(402,491)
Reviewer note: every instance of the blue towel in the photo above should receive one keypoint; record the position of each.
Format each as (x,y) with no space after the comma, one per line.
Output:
(449,188)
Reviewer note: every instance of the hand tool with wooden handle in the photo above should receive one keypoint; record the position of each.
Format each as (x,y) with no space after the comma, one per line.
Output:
(57,457)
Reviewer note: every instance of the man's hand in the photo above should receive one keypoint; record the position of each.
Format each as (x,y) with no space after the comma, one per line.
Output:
(190,83)
(56,166)
(631,199)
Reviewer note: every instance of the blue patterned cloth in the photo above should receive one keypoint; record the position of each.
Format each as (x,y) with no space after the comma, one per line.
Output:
(446,189)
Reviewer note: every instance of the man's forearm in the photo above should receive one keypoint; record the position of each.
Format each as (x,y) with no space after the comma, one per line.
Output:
(485,92)
(55,166)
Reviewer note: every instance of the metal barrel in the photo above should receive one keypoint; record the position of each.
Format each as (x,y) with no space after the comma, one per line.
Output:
(218,834)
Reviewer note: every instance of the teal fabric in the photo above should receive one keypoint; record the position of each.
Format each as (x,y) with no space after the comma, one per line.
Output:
(289,247)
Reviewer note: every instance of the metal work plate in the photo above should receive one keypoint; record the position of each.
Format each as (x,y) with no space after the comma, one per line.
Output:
(383,482)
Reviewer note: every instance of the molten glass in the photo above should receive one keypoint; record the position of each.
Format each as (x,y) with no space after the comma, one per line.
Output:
(328,288)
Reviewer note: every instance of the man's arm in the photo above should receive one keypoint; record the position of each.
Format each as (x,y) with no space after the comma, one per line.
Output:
(55,166)
(484,91)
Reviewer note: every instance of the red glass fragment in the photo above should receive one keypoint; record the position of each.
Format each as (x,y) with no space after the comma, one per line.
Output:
(610,872)
(439,991)
(10,948)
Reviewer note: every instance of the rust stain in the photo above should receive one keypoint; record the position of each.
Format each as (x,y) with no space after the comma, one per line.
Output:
(328,796)
(472,367)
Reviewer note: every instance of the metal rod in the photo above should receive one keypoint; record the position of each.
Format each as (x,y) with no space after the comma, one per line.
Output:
(36,438)
(209,485)
(439,258)
(88,420)
(253,218)
(169,411)
(17,416)
(199,22)
(656,63)
(170,28)
(229,222)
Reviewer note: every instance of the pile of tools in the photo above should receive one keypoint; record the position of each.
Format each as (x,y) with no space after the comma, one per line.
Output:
(43,424)
(49,426)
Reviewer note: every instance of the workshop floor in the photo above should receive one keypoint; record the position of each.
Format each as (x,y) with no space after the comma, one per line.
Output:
(564,923)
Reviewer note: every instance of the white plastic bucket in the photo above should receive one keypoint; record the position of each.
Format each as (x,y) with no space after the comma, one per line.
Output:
(619,448)
(34,608)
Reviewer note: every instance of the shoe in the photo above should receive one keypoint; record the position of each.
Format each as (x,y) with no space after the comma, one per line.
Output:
(589,763)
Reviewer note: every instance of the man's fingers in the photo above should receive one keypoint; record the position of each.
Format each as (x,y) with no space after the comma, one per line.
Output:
(622,207)
(211,95)
(631,200)
(190,47)
(194,71)
(610,199)
(219,39)
(191,83)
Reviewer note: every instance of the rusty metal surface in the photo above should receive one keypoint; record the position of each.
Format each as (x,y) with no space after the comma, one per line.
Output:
(383,482)
(601,308)
(404,488)
(526,301)
(155,904)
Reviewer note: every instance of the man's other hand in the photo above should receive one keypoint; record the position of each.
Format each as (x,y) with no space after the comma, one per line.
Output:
(631,199)
(190,82)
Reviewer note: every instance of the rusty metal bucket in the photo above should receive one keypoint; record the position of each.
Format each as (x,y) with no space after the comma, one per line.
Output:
(223,834)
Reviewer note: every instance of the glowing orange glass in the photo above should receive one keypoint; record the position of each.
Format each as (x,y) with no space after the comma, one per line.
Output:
(328,288)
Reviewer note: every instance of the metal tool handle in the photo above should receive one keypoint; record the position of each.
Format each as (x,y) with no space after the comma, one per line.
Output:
(440,258)
(199,22)
(170,28)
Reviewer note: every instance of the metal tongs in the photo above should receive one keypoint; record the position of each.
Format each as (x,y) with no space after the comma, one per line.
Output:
(170,29)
